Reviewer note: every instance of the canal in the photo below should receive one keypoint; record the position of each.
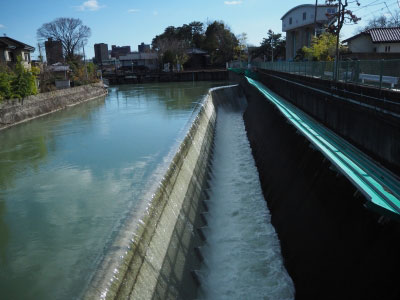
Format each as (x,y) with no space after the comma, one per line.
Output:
(70,180)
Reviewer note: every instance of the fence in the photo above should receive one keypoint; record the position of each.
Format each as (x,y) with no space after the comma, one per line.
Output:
(379,73)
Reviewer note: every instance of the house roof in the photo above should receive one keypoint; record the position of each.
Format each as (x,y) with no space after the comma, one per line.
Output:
(300,6)
(380,35)
(10,43)
(196,51)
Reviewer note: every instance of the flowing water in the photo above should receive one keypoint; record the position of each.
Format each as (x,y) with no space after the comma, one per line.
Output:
(69,180)
(242,258)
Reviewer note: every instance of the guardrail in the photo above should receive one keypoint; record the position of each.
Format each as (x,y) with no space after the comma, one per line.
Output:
(379,73)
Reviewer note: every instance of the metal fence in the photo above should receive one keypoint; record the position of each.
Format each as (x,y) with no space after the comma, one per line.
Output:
(379,73)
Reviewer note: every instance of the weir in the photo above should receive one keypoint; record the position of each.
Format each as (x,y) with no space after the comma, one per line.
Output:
(156,257)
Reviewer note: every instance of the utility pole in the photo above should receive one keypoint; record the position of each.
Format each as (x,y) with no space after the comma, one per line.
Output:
(84,60)
(337,42)
(315,18)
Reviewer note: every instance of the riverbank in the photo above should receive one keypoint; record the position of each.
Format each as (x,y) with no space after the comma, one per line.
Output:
(15,111)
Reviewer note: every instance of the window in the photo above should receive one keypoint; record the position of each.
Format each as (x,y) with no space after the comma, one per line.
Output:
(290,21)
(304,15)
(331,10)
(26,56)
(387,48)
(11,56)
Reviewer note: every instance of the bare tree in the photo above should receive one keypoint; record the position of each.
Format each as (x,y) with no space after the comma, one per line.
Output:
(71,32)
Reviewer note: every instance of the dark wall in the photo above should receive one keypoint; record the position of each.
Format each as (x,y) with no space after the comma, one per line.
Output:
(333,247)
(360,117)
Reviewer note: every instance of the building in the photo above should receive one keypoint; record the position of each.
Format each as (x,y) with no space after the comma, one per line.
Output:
(101,52)
(54,51)
(375,43)
(139,61)
(143,48)
(298,23)
(119,51)
(10,49)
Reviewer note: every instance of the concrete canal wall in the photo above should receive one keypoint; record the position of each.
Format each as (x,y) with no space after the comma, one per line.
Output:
(161,256)
(333,247)
(367,117)
(15,111)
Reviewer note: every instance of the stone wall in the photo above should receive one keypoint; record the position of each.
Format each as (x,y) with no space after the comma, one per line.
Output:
(15,111)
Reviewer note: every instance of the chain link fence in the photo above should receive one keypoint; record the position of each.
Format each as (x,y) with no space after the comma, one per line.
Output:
(379,73)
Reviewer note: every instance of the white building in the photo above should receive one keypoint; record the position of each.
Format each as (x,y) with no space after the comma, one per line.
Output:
(298,23)
(375,40)
(10,49)
(136,59)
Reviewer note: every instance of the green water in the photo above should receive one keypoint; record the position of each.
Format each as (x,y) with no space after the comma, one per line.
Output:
(69,180)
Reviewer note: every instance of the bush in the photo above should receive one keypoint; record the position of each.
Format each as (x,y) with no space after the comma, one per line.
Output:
(17,83)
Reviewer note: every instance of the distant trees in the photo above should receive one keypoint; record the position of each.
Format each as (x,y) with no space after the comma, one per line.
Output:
(383,21)
(217,39)
(71,32)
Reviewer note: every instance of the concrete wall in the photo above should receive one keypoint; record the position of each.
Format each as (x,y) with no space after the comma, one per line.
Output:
(364,122)
(333,247)
(15,111)
(361,44)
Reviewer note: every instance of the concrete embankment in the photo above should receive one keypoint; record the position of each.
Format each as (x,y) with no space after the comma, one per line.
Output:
(156,258)
(15,111)
(333,247)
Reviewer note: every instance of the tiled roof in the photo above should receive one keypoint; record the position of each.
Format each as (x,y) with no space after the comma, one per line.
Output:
(380,35)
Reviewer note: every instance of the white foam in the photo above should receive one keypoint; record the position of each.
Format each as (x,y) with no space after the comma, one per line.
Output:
(242,255)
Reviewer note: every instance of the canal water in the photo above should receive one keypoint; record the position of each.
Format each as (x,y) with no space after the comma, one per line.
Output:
(69,180)
(242,257)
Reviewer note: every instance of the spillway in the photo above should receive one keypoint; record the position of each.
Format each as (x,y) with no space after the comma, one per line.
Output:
(242,258)
(160,256)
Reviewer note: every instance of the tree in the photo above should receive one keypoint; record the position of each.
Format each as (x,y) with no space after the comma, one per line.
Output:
(272,47)
(220,42)
(71,32)
(343,15)
(383,21)
(241,47)
(322,48)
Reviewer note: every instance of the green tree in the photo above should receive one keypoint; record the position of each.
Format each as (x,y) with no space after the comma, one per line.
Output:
(322,48)
(273,46)
(220,43)
(23,82)
(5,86)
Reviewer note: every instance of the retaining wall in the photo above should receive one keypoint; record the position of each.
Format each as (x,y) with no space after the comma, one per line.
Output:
(370,124)
(15,111)
(333,247)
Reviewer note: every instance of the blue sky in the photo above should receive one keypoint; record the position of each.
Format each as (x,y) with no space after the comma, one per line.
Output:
(130,22)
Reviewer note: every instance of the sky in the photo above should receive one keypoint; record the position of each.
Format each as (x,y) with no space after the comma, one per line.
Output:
(130,22)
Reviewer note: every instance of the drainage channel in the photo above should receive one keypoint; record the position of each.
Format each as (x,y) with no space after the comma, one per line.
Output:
(241,256)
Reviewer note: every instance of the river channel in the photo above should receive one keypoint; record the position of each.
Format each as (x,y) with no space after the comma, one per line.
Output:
(69,180)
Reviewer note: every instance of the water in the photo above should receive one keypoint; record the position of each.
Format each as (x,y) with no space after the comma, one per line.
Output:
(69,180)
(242,254)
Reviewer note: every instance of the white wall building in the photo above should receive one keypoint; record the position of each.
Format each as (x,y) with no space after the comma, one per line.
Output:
(375,40)
(298,23)
(134,59)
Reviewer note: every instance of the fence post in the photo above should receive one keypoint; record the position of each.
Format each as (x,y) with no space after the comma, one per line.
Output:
(357,72)
(380,74)
(347,71)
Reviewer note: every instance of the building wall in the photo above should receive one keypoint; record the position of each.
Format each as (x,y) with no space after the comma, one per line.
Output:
(54,51)
(297,17)
(394,47)
(297,39)
(101,52)
(362,43)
